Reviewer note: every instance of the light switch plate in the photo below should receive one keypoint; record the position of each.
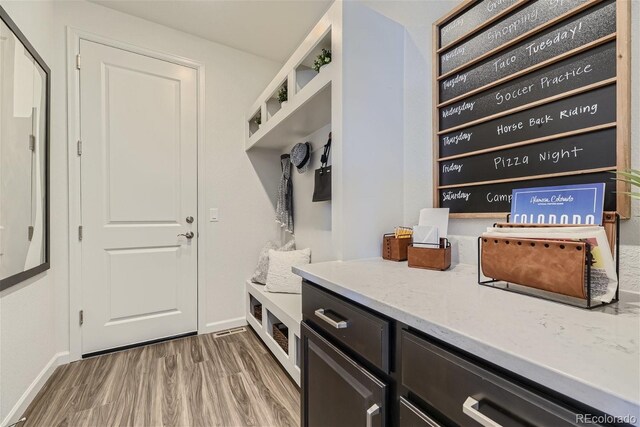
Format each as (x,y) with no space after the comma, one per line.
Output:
(214,215)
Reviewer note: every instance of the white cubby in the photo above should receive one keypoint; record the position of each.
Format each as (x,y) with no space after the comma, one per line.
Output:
(303,76)
(273,320)
(277,308)
(305,72)
(324,42)
(251,123)
(252,309)
(272,104)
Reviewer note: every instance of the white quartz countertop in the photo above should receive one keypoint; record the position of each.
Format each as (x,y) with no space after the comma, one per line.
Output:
(592,356)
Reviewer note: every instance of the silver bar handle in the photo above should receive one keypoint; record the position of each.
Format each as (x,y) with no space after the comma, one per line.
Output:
(338,325)
(471,408)
(373,410)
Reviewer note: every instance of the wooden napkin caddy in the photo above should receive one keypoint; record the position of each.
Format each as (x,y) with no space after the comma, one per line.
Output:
(437,257)
(393,248)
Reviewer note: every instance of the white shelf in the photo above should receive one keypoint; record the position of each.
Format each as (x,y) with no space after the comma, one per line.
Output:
(287,308)
(306,112)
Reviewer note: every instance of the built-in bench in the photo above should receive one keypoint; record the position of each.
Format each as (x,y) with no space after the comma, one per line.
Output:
(276,308)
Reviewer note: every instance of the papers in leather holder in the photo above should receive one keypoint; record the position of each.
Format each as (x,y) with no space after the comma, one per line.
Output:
(426,236)
(570,264)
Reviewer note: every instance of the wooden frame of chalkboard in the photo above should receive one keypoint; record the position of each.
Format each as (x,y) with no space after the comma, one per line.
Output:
(537,92)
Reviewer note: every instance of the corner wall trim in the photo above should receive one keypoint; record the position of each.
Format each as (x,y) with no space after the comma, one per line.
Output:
(223,325)
(36,385)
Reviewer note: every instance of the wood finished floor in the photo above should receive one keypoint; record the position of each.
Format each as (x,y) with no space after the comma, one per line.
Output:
(194,381)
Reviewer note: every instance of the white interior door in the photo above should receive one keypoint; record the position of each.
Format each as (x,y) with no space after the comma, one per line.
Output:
(138,124)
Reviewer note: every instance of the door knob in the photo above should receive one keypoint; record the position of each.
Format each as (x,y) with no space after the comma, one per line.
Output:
(188,235)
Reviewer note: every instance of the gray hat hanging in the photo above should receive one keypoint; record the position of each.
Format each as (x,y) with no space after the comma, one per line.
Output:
(301,156)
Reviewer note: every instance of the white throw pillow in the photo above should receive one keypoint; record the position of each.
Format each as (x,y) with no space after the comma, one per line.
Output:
(260,275)
(280,277)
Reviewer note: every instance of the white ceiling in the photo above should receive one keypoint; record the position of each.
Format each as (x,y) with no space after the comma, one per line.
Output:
(268,28)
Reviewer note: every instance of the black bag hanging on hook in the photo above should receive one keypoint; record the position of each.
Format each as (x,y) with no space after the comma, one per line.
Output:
(322,186)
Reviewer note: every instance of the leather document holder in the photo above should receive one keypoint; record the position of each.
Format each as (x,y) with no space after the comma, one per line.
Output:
(549,265)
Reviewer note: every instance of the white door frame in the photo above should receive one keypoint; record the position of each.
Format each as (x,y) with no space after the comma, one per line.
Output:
(74,36)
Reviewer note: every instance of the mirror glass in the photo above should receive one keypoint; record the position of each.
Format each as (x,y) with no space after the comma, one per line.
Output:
(23,160)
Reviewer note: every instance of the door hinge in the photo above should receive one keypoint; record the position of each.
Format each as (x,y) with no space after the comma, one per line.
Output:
(79,148)
(30,233)
(81,317)
(80,233)
(32,142)
(78,61)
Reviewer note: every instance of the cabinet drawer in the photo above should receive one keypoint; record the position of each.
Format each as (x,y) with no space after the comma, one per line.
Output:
(360,331)
(470,395)
(411,416)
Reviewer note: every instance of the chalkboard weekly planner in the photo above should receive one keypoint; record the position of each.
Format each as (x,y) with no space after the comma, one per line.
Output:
(530,93)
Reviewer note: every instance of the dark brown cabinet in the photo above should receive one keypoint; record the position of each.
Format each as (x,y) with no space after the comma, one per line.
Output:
(470,395)
(338,392)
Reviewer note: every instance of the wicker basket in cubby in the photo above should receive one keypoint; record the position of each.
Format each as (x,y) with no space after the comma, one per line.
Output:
(257,312)
(281,336)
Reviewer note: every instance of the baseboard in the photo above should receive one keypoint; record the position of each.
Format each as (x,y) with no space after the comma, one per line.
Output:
(223,325)
(31,392)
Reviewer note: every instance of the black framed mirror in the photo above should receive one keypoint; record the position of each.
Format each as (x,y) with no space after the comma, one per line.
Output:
(25,92)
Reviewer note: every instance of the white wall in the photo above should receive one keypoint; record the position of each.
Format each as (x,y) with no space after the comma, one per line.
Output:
(312,220)
(35,315)
(368,158)
(27,316)
(417,18)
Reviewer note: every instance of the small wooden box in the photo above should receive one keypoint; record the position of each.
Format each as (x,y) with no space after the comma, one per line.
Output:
(395,249)
(436,258)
